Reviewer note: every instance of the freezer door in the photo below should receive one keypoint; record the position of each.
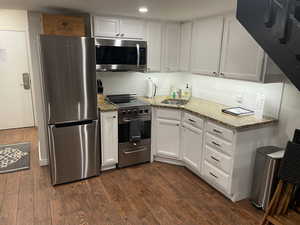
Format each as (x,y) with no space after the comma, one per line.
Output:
(74,151)
(69,78)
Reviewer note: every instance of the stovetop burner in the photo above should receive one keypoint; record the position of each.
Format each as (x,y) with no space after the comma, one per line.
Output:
(126,100)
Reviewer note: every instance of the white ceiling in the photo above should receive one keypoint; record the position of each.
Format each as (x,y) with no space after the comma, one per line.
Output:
(158,9)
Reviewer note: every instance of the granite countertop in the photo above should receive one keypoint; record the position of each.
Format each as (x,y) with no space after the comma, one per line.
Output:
(105,106)
(213,111)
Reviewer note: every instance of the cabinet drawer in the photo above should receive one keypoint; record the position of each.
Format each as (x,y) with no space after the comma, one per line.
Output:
(218,159)
(218,143)
(216,176)
(193,120)
(171,114)
(220,131)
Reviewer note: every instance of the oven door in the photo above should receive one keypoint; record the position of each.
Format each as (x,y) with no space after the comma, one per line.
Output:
(121,55)
(134,153)
(134,141)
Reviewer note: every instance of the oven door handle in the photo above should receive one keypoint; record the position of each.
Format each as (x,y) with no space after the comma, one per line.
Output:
(136,151)
(138,55)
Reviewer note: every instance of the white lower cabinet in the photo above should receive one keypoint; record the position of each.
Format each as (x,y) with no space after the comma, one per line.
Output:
(109,139)
(220,155)
(167,138)
(216,176)
(192,146)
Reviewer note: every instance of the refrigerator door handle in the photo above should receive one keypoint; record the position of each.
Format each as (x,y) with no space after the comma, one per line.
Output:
(138,55)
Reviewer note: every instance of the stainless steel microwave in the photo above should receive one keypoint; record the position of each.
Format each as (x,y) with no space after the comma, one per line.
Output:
(121,55)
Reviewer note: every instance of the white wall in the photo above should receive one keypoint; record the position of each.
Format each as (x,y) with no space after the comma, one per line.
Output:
(16,20)
(19,20)
(219,90)
(289,119)
(34,32)
(13,20)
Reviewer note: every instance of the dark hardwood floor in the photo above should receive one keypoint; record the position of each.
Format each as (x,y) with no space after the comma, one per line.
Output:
(149,194)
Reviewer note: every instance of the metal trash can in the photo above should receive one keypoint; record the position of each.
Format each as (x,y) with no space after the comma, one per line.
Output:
(265,175)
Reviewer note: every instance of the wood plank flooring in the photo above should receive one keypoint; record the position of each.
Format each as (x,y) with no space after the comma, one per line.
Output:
(149,194)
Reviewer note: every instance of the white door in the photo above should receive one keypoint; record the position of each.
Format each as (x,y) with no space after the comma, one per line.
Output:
(172,50)
(106,27)
(131,28)
(167,138)
(109,138)
(16,101)
(192,146)
(206,46)
(154,40)
(242,57)
(185,51)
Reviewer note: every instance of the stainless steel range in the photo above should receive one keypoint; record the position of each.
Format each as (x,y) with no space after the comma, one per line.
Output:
(134,125)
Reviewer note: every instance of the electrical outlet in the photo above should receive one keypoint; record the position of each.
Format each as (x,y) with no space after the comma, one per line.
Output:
(239,99)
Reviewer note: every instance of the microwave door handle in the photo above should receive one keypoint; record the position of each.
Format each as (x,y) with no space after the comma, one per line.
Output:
(138,54)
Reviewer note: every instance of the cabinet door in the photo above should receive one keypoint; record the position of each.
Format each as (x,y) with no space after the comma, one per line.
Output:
(131,28)
(106,27)
(154,40)
(167,138)
(172,42)
(185,46)
(192,146)
(109,138)
(242,58)
(206,46)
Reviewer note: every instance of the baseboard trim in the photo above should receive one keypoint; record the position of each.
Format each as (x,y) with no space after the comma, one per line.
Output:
(43,162)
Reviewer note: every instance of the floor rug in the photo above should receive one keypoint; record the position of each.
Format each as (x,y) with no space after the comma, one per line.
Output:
(14,157)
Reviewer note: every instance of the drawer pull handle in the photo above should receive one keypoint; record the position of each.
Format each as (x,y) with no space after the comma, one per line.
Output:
(213,175)
(216,144)
(215,159)
(193,121)
(217,131)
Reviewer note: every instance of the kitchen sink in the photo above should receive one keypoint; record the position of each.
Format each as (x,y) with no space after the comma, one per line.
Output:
(175,101)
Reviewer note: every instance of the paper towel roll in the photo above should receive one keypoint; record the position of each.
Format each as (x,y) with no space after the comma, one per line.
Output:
(150,88)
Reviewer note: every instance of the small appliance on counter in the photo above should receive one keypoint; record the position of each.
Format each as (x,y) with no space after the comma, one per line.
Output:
(151,88)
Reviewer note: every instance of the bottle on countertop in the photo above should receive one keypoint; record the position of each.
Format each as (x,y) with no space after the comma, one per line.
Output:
(187,94)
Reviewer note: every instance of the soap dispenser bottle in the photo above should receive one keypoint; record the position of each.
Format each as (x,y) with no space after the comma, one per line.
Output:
(188,91)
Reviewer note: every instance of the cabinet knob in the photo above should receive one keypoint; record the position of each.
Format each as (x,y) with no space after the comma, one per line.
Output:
(222,74)
(114,117)
(117,35)
(122,35)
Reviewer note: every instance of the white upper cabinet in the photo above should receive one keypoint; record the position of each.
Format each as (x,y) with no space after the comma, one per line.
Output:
(122,28)
(131,28)
(242,58)
(206,45)
(172,49)
(106,27)
(154,40)
(185,46)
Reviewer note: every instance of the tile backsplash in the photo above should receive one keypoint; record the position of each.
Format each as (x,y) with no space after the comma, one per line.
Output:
(224,91)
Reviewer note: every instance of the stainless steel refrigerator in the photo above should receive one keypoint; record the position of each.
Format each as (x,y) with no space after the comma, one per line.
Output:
(69,83)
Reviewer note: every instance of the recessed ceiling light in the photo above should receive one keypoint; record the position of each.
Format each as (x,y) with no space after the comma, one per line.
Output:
(143,9)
